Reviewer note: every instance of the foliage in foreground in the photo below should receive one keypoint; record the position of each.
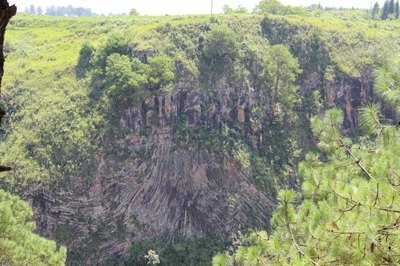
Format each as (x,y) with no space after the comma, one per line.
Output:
(349,212)
(18,245)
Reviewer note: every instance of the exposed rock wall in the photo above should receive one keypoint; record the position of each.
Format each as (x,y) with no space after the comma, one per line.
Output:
(349,94)
(159,189)
(163,191)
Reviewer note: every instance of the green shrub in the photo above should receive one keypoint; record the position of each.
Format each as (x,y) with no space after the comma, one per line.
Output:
(221,49)
(115,44)
(161,73)
(123,84)
(85,61)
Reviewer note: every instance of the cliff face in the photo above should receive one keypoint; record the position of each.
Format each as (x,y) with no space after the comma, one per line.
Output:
(153,187)
(344,92)
(349,94)
(164,190)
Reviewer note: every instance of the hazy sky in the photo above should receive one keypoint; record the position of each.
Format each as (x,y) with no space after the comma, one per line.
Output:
(176,7)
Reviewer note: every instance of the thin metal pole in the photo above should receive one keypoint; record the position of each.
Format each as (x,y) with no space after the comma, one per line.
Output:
(370,12)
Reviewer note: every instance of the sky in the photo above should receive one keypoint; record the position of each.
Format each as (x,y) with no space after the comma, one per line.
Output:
(176,7)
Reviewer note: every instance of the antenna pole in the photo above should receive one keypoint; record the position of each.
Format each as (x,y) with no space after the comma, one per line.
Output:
(370,12)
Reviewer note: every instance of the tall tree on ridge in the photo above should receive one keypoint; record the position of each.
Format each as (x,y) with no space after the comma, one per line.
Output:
(385,11)
(39,10)
(391,7)
(375,11)
(32,9)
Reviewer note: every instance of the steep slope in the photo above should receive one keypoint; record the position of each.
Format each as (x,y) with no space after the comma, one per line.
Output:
(154,133)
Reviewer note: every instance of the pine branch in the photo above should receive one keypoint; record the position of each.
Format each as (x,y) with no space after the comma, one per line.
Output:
(344,232)
(344,211)
(363,205)
(377,194)
(357,161)
(292,236)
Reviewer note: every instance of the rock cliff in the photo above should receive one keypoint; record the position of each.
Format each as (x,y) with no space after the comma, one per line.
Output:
(155,188)
(159,189)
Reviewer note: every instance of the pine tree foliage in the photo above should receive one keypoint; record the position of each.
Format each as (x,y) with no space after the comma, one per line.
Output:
(371,117)
(375,11)
(385,11)
(18,245)
(387,84)
(283,70)
(349,209)
(390,10)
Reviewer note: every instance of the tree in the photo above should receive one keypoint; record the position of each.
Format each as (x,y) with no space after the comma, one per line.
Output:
(317,9)
(160,72)
(18,244)
(391,9)
(133,12)
(116,43)
(227,9)
(118,71)
(387,82)
(283,69)
(349,212)
(68,11)
(86,60)
(375,11)
(39,10)
(397,9)
(272,7)
(351,199)
(51,11)
(241,10)
(123,84)
(32,9)
(385,11)
(220,51)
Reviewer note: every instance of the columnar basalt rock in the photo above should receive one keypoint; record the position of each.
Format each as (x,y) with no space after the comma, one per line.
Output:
(166,190)
(350,94)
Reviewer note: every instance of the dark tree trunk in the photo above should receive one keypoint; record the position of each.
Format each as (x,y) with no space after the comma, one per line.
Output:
(6,12)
